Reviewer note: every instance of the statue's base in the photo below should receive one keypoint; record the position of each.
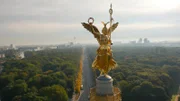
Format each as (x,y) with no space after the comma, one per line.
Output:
(104,85)
(104,90)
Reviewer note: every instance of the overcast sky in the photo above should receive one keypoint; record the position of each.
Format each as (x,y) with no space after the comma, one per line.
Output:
(59,21)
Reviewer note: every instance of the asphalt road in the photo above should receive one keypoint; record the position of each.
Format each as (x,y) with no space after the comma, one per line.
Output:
(1,68)
(88,78)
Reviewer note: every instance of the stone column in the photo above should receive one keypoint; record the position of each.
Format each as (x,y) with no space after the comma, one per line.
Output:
(104,85)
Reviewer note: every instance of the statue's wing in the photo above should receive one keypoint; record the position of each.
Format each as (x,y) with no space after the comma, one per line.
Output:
(91,28)
(113,27)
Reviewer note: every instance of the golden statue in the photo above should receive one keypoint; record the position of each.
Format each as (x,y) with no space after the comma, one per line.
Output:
(104,60)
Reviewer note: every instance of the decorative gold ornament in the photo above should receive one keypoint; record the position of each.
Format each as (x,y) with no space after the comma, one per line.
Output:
(104,60)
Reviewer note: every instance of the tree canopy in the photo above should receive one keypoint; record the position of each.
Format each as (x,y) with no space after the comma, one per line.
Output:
(144,73)
(46,75)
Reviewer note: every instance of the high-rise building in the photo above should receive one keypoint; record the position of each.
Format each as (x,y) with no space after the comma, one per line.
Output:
(146,40)
(140,40)
(12,47)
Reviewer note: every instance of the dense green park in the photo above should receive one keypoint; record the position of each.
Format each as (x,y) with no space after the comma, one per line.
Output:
(145,73)
(46,75)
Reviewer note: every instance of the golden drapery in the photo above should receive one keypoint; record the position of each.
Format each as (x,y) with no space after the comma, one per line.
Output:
(104,60)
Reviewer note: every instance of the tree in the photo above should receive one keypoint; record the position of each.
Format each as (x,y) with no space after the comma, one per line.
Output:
(30,97)
(20,87)
(54,93)
(23,79)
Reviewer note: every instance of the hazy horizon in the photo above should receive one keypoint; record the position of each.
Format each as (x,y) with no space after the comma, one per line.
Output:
(59,21)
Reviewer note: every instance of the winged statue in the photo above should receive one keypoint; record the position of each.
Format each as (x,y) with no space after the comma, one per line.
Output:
(104,60)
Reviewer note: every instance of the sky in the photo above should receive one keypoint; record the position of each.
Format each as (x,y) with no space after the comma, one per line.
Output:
(30,22)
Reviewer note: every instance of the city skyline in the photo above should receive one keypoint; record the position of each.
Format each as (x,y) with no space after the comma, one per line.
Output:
(59,21)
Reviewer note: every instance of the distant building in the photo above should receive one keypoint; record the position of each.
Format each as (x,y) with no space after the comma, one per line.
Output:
(2,55)
(146,40)
(37,49)
(140,40)
(133,42)
(61,46)
(24,49)
(69,44)
(12,47)
(50,47)
(16,54)
(21,55)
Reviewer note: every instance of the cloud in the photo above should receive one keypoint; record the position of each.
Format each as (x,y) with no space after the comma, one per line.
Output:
(43,28)
(38,20)
(40,28)
(145,26)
